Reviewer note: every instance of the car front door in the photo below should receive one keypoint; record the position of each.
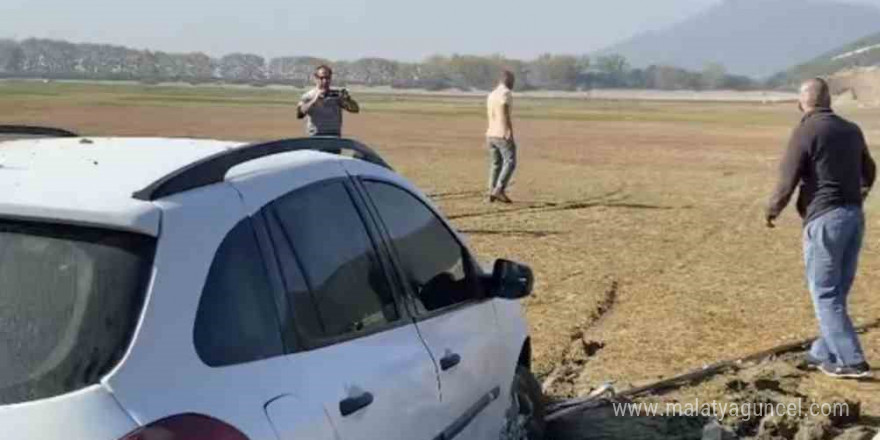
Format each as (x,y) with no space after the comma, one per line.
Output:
(356,350)
(454,317)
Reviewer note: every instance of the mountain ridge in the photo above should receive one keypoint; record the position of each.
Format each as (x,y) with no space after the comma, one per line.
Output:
(752,37)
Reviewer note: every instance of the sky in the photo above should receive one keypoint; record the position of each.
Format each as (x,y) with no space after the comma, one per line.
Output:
(405,30)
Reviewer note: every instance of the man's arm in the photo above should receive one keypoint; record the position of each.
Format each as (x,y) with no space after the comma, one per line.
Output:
(306,103)
(349,104)
(508,130)
(869,169)
(790,172)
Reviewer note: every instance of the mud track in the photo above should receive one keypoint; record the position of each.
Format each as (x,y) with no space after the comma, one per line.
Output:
(560,381)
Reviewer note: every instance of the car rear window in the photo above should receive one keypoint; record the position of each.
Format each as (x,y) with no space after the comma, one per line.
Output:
(70,298)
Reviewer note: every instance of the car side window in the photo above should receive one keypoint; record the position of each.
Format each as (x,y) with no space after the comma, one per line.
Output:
(435,265)
(303,308)
(349,289)
(237,320)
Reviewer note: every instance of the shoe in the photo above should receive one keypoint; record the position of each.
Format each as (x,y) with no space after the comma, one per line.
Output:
(491,198)
(501,197)
(859,371)
(811,363)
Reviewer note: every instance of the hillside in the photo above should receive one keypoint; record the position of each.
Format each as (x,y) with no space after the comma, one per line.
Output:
(864,52)
(753,37)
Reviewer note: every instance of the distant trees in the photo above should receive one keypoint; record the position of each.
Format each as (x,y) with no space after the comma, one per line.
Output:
(611,71)
(555,72)
(44,58)
(243,68)
(48,58)
(671,78)
(11,57)
(369,71)
(468,71)
(714,76)
(293,70)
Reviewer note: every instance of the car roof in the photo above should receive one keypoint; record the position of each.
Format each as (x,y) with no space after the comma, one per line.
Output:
(91,180)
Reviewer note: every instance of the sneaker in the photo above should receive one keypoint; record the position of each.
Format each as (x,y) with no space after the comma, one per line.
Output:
(811,363)
(859,371)
(501,197)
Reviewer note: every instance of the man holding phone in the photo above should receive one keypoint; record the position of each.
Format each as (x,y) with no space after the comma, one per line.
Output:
(322,106)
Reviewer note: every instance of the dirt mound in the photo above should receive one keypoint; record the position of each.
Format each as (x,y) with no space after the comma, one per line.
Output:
(778,409)
(761,401)
(846,99)
(857,88)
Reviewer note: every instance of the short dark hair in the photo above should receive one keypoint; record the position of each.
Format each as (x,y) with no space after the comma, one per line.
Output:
(322,66)
(506,76)
(820,93)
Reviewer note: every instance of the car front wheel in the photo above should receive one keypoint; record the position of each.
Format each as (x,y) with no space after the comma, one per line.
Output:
(524,418)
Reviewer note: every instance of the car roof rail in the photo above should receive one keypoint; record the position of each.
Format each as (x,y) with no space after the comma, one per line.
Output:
(35,130)
(213,169)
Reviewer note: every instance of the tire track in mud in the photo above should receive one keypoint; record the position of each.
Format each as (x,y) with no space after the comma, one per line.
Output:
(560,381)
(512,233)
(453,195)
(528,207)
(545,207)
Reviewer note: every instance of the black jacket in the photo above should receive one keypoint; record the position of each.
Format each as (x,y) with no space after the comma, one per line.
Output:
(828,156)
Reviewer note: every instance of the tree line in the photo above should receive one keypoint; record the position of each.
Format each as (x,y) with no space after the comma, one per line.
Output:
(55,59)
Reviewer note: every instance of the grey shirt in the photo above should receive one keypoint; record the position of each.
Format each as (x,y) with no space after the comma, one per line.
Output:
(324,118)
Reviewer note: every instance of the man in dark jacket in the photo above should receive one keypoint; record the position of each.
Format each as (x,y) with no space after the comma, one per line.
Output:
(827,155)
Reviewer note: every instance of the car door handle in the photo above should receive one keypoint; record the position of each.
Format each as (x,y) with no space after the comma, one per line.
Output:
(449,361)
(354,404)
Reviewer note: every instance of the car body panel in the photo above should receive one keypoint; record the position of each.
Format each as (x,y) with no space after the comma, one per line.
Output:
(470,332)
(488,350)
(266,179)
(392,365)
(294,419)
(162,375)
(90,181)
(90,413)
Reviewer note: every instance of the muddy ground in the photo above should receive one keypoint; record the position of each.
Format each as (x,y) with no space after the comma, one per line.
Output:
(771,398)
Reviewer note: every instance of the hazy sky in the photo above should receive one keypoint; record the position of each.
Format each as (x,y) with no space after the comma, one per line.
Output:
(346,29)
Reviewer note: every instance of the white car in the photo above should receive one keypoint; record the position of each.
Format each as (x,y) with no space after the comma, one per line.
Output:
(180,289)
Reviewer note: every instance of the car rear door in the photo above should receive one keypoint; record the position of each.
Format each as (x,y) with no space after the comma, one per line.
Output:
(355,349)
(453,315)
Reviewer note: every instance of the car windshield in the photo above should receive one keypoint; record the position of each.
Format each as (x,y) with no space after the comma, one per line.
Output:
(70,297)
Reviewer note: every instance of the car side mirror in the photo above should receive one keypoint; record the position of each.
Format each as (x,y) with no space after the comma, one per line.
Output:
(511,280)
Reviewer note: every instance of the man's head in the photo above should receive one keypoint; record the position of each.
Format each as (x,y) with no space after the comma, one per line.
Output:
(507,79)
(323,77)
(814,94)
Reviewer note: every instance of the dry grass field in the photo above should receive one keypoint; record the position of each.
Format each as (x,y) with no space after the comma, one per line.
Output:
(642,220)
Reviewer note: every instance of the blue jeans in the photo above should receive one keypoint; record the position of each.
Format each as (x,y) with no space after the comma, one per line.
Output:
(831,253)
(502,162)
